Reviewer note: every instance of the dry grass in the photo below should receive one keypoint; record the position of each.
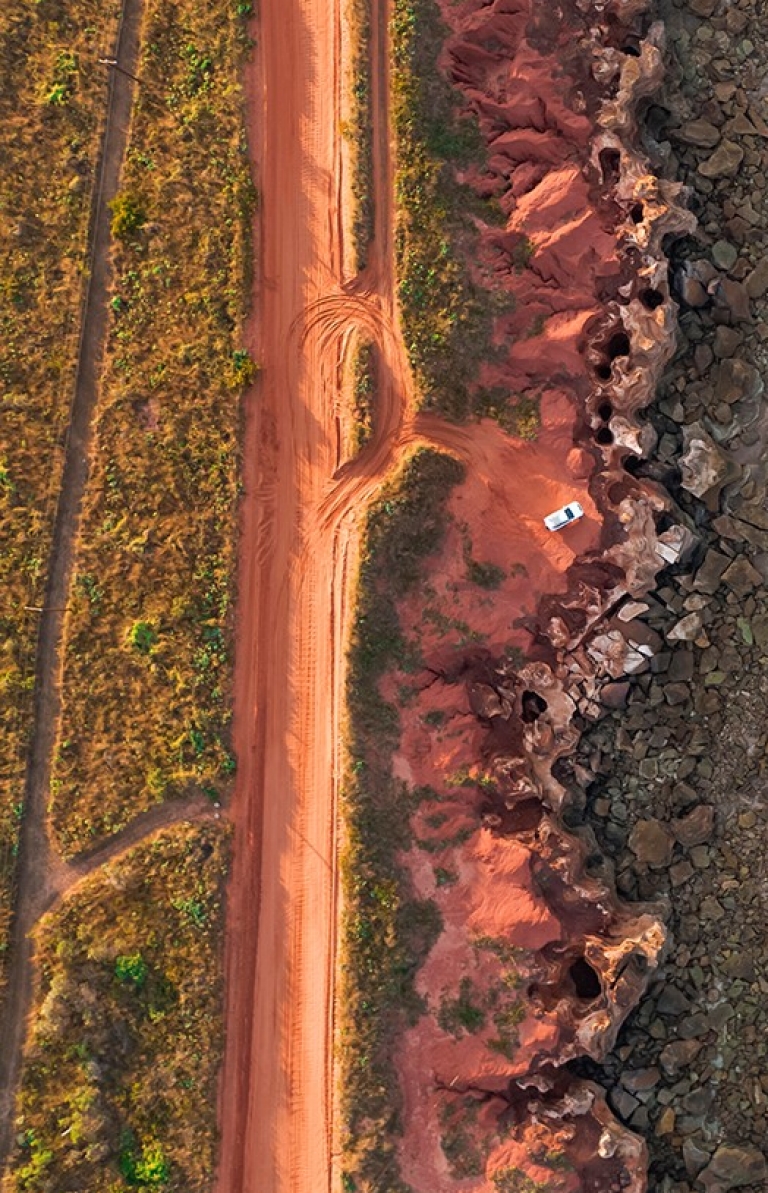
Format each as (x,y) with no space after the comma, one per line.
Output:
(52,101)
(147,667)
(118,1085)
(358,131)
(446,317)
(364,370)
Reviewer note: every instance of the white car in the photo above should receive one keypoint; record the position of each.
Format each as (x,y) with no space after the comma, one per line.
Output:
(560,518)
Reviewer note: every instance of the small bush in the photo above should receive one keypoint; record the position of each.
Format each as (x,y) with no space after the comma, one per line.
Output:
(143,636)
(128,216)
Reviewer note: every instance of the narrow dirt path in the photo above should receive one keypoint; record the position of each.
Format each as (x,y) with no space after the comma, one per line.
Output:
(40,874)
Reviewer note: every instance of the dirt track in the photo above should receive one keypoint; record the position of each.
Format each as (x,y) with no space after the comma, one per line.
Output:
(42,876)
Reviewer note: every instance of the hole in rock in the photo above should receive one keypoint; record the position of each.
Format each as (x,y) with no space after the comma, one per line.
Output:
(655,119)
(634,465)
(618,345)
(605,410)
(636,214)
(610,164)
(603,372)
(633,51)
(585,979)
(604,436)
(594,864)
(619,491)
(523,817)
(533,706)
(664,521)
(651,299)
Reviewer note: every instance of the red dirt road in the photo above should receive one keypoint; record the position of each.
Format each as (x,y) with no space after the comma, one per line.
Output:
(299,540)
(276,1090)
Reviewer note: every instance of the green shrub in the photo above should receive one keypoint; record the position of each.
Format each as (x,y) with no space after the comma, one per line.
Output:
(128,216)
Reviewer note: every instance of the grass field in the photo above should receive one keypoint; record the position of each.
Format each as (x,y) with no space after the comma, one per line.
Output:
(52,101)
(386,932)
(147,663)
(118,1088)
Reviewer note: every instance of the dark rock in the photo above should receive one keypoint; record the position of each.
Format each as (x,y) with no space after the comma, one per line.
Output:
(757,281)
(695,828)
(614,695)
(710,573)
(742,577)
(672,1001)
(676,1057)
(694,1026)
(727,341)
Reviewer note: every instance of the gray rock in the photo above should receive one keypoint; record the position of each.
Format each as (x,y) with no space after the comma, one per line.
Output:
(672,1001)
(734,1166)
(724,162)
(623,1102)
(694,1156)
(724,254)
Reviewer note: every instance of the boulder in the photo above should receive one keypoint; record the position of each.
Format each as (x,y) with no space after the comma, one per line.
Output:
(652,843)
(710,573)
(741,577)
(734,1166)
(724,162)
(704,466)
(736,379)
(695,828)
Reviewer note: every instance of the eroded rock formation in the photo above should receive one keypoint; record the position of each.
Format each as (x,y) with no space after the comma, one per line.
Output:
(539,962)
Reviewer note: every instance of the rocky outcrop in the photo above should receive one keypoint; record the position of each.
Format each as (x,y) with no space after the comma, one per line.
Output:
(539,962)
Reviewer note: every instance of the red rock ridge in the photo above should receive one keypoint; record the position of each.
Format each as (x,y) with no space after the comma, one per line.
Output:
(539,962)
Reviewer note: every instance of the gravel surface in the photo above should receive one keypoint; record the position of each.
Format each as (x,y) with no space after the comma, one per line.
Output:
(679,798)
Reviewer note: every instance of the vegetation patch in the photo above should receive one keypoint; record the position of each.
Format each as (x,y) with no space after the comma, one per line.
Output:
(118,1087)
(457,1122)
(147,657)
(52,101)
(446,318)
(386,931)
(518,415)
(358,132)
(457,1016)
(365,365)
